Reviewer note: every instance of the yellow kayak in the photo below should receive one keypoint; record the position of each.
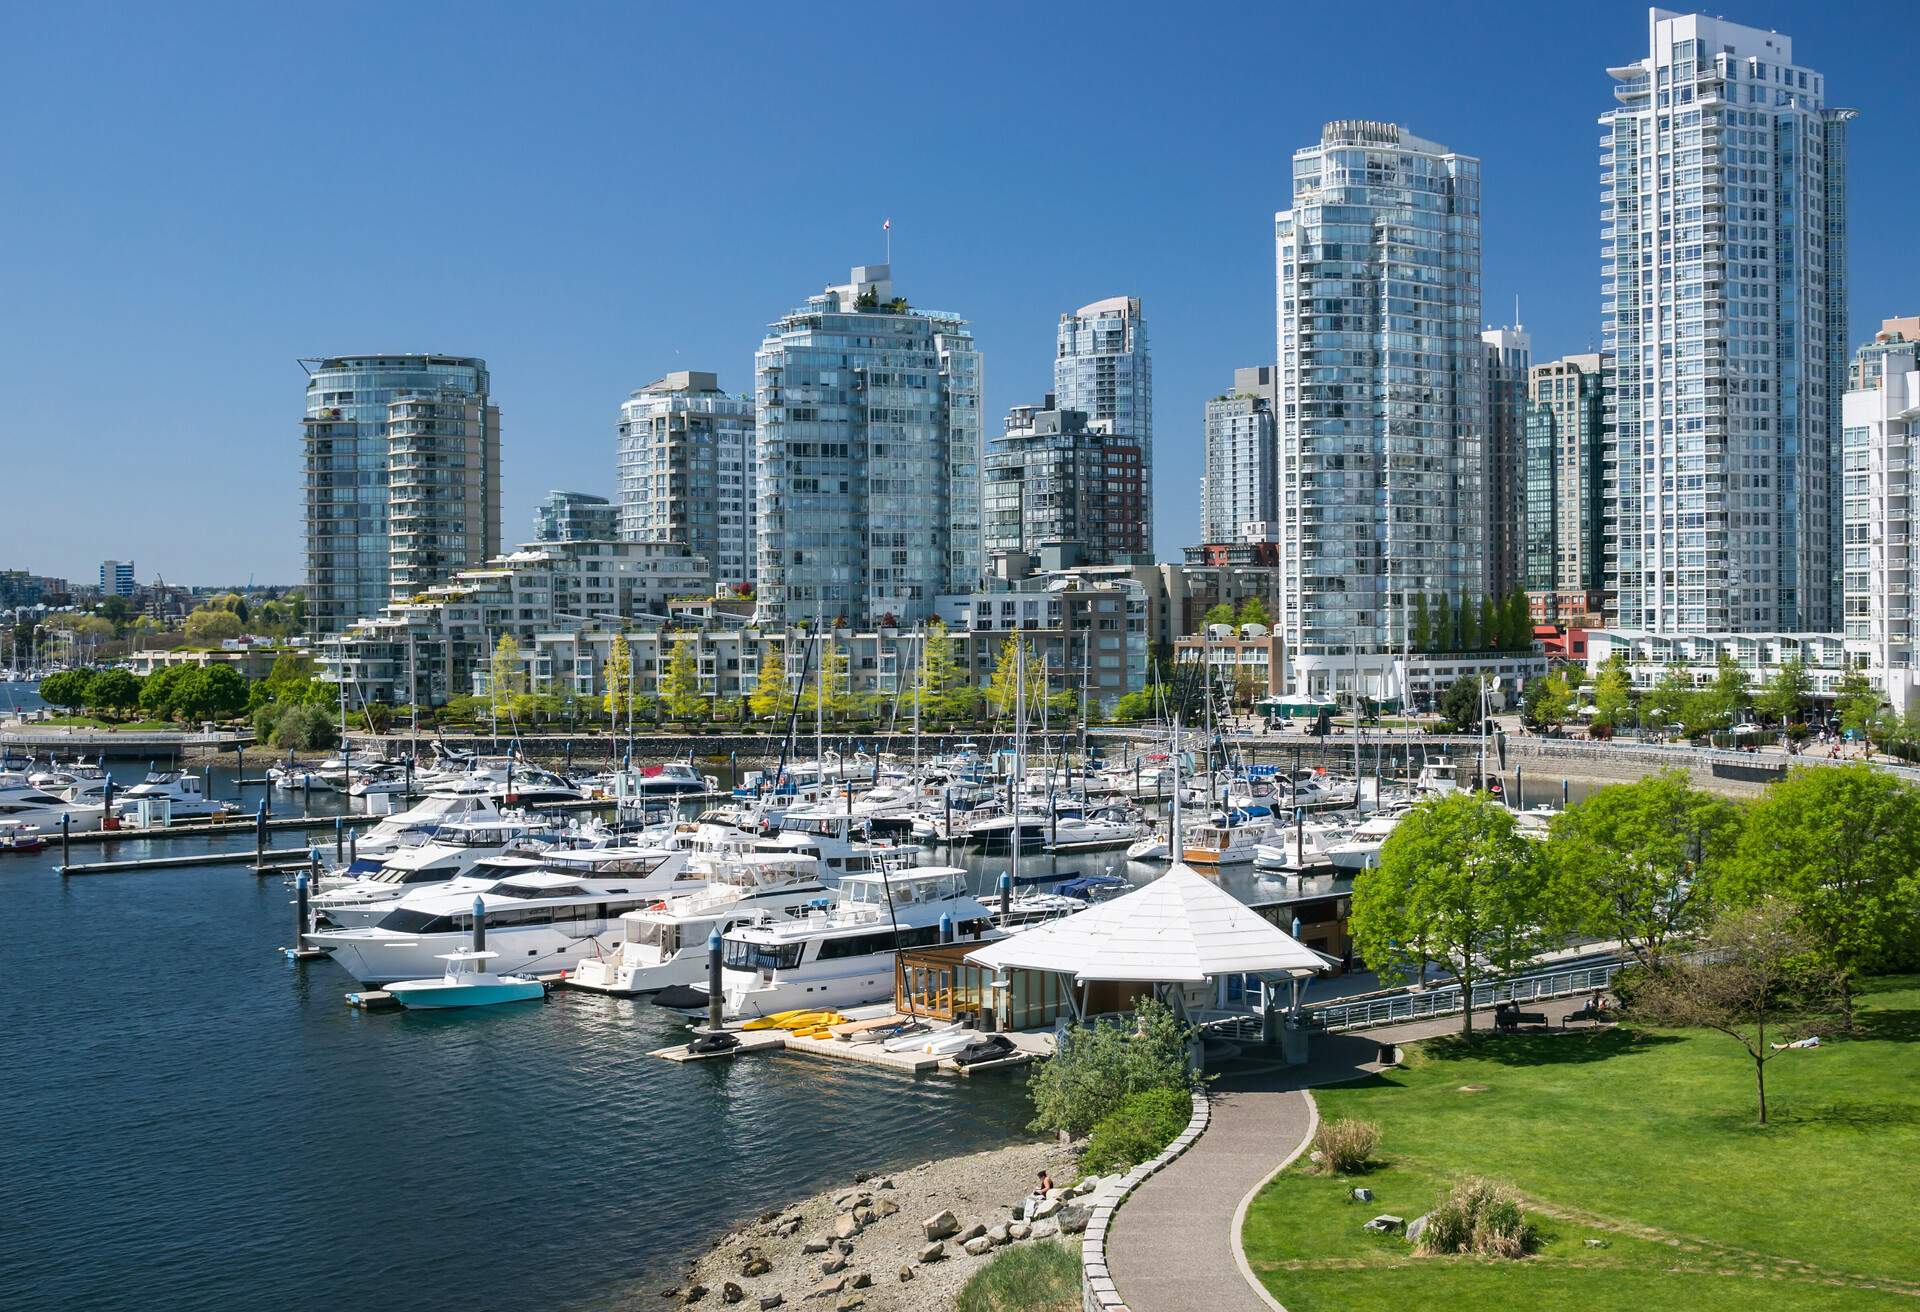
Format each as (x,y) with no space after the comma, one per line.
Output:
(794,1020)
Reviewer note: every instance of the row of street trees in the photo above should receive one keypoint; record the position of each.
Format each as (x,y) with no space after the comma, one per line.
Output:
(1465,624)
(1651,865)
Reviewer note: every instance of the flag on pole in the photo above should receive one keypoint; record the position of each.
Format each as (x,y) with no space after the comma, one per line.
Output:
(886,225)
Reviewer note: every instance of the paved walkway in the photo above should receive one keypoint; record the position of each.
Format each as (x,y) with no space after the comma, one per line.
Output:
(1172,1244)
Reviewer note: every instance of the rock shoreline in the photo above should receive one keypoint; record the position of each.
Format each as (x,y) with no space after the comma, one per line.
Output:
(900,1241)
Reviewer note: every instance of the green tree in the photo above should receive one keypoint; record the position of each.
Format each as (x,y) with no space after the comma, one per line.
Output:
(211,625)
(1457,886)
(1467,618)
(117,611)
(1612,691)
(208,692)
(1219,613)
(1134,705)
(1517,621)
(1731,687)
(113,690)
(1001,686)
(1546,704)
(1445,635)
(1421,638)
(1460,705)
(769,693)
(831,671)
(1253,610)
(507,678)
(1492,629)
(294,725)
(68,689)
(1855,703)
(680,685)
(158,690)
(1669,703)
(1782,699)
(618,674)
(1843,845)
(939,670)
(1636,863)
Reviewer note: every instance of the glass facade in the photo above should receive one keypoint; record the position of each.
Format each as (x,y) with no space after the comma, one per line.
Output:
(347,444)
(1101,367)
(575,517)
(869,457)
(1237,489)
(1723,273)
(1567,436)
(1381,454)
(1509,357)
(688,471)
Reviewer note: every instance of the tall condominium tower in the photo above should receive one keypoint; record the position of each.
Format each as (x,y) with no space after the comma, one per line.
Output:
(575,517)
(1563,567)
(869,450)
(1880,451)
(687,471)
(1509,357)
(402,478)
(1724,298)
(1382,459)
(1051,476)
(1237,485)
(1101,368)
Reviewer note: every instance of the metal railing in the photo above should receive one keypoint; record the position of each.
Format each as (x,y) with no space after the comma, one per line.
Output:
(1402,1005)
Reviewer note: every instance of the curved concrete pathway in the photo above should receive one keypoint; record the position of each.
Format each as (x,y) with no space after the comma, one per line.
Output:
(1175,1244)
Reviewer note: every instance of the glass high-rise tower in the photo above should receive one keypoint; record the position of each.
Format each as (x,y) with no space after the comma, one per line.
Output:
(1101,368)
(687,471)
(869,457)
(402,458)
(1237,485)
(1381,399)
(1724,295)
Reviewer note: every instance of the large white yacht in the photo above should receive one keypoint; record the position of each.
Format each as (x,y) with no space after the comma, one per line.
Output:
(178,790)
(453,849)
(542,920)
(666,944)
(22,803)
(844,956)
(838,839)
(448,804)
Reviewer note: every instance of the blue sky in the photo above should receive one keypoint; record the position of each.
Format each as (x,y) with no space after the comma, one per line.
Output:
(590,196)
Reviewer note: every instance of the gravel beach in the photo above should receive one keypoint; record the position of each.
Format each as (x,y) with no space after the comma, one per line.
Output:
(865,1243)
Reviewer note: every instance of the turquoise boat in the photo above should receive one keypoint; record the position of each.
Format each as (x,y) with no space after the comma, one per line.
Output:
(467,983)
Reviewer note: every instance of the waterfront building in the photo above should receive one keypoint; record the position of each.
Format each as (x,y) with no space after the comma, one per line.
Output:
(1237,487)
(1509,359)
(116,578)
(1564,569)
(575,517)
(1381,455)
(440,636)
(1087,627)
(1650,657)
(1101,367)
(1050,477)
(688,472)
(1723,272)
(448,441)
(18,588)
(1249,660)
(1869,362)
(443,485)
(869,458)
(1880,449)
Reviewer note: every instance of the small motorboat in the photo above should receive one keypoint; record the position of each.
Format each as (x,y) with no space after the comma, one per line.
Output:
(17,836)
(467,983)
(1092,888)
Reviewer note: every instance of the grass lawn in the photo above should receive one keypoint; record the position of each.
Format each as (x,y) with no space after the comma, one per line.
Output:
(1644,1140)
(123,726)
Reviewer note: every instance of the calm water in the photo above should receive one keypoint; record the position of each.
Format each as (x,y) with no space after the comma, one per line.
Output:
(194,1122)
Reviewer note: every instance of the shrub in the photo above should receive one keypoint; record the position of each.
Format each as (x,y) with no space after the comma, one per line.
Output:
(1480,1217)
(1038,1277)
(298,727)
(1098,1065)
(1345,1147)
(1136,1130)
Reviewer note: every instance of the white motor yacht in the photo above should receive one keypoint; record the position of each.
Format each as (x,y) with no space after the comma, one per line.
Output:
(179,791)
(543,920)
(666,944)
(1233,840)
(839,840)
(446,804)
(844,956)
(1297,846)
(21,801)
(454,849)
(670,778)
(1361,851)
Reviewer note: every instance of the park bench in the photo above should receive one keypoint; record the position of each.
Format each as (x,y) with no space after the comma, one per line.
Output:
(1508,1016)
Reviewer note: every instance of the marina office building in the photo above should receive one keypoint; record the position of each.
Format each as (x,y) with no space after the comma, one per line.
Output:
(402,477)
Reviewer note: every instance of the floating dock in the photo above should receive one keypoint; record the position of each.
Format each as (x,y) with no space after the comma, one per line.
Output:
(296,856)
(871,1052)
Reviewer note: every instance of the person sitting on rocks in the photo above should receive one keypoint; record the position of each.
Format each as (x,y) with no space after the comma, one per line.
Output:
(1038,1196)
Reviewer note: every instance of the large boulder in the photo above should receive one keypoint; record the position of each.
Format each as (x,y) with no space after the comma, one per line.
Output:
(768,1302)
(730,1292)
(832,1263)
(933,1253)
(1018,1230)
(1046,1229)
(997,1235)
(1045,1207)
(974,1231)
(1073,1218)
(977,1245)
(1386,1224)
(941,1225)
(817,1244)
(828,1288)
(885,1207)
(757,1265)
(846,1225)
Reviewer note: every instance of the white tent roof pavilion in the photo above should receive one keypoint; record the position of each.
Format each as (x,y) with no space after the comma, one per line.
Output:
(1180,929)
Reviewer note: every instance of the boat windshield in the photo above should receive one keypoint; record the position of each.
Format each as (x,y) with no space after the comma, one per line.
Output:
(743,955)
(538,890)
(661,934)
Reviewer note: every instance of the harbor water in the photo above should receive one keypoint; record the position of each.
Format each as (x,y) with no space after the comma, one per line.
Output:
(195,1122)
